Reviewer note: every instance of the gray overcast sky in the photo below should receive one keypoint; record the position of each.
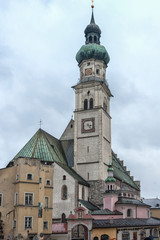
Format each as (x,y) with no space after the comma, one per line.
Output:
(38,43)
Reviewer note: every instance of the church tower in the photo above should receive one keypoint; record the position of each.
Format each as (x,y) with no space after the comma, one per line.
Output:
(92,129)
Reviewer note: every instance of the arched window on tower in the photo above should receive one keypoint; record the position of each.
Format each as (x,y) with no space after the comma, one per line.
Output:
(95,39)
(91,103)
(85,104)
(105,104)
(64,192)
(90,39)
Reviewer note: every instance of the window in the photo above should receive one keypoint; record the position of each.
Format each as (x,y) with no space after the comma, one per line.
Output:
(45,225)
(105,104)
(29,176)
(85,104)
(104,237)
(88,64)
(17,176)
(40,180)
(142,235)
(97,71)
(63,218)
(16,199)
(48,182)
(87,149)
(95,238)
(64,177)
(129,213)
(28,222)
(83,193)
(90,39)
(1,199)
(46,202)
(14,223)
(28,198)
(95,39)
(125,236)
(91,103)
(64,192)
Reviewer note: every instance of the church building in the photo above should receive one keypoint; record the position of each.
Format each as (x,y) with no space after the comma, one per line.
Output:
(76,187)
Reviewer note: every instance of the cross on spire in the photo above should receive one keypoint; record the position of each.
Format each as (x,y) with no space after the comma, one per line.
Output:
(40,123)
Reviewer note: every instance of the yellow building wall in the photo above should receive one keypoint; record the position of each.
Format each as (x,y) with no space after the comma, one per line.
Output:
(155,213)
(98,232)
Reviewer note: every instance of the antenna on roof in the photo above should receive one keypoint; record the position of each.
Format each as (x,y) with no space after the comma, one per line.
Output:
(40,123)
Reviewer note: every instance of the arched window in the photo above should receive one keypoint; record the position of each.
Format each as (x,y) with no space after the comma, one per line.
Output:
(64,192)
(104,237)
(95,39)
(83,193)
(105,104)
(85,104)
(125,236)
(91,103)
(90,39)
(111,187)
(95,238)
(129,213)
(63,218)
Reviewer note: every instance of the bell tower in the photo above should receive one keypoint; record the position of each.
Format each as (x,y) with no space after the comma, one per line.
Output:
(92,129)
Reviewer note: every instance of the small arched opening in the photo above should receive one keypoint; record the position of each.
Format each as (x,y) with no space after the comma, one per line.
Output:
(64,192)
(104,237)
(91,103)
(85,104)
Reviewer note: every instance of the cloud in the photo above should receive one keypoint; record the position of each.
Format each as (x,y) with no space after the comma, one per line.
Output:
(38,43)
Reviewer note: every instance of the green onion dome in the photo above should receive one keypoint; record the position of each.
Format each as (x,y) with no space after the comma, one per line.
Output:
(92,50)
(110,179)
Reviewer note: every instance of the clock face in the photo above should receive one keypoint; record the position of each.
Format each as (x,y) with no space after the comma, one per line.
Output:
(88,71)
(88,125)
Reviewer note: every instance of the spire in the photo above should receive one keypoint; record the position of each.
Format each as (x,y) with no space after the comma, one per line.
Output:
(92,17)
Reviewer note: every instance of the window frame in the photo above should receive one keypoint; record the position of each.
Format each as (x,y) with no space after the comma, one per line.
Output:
(27,174)
(28,198)
(26,227)
(46,197)
(45,228)
(16,198)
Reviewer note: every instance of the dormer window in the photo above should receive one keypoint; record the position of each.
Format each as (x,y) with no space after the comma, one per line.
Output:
(88,64)
(29,176)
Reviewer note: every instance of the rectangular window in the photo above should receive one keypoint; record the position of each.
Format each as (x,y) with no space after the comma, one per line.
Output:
(1,199)
(29,176)
(17,176)
(45,225)
(28,222)
(16,199)
(28,198)
(46,202)
(40,180)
